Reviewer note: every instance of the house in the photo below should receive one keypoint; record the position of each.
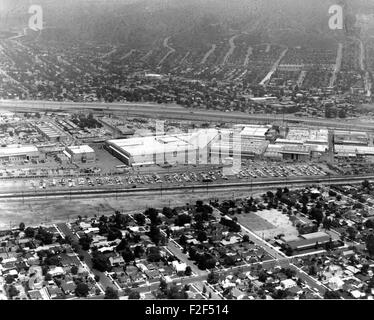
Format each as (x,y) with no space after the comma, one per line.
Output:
(288,283)
(152,274)
(35,295)
(179,267)
(55,292)
(116,261)
(335,283)
(357,294)
(68,287)
(56,271)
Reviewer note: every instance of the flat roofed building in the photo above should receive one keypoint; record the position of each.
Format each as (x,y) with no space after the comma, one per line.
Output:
(51,132)
(353,151)
(191,147)
(308,241)
(82,153)
(17,153)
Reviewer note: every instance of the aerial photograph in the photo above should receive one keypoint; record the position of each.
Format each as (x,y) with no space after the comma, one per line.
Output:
(198,150)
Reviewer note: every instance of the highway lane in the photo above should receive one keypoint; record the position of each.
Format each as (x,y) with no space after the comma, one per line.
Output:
(177,112)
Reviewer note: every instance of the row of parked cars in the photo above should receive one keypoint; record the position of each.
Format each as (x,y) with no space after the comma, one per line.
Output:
(281,171)
(138,179)
(180,177)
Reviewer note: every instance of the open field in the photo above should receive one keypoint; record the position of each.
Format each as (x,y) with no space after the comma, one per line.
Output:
(269,223)
(48,211)
(254,222)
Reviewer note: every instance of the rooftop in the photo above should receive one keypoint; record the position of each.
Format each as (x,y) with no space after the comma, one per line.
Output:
(15,149)
(80,149)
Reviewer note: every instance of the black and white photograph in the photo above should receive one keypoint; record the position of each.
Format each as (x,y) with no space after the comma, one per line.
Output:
(205,151)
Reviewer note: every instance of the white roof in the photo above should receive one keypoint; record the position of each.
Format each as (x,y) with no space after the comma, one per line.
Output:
(254,131)
(17,150)
(80,149)
(354,149)
(289,283)
(166,143)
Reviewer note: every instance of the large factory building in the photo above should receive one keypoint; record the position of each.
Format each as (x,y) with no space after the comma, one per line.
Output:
(18,153)
(185,148)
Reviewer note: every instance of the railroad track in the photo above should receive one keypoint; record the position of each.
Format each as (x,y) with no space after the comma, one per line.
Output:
(200,188)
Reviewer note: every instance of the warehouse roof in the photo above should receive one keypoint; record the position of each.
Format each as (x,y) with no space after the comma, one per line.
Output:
(80,149)
(13,150)
(166,143)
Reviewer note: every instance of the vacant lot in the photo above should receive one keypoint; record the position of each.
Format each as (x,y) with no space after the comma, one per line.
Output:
(254,222)
(268,223)
(48,211)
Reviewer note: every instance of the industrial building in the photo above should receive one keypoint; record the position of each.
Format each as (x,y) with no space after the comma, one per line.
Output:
(300,144)
(51,132)
(18,153)
(308,241)
(185,148)
(78,154)
(353,151)
(353,138)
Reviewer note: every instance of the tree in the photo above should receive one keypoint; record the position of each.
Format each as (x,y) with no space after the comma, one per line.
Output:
(29,232)
(22,226)
(174,293)
(202,236)
(163,285)
(138,251)
(183,240)
(155,234)
(167,212)
(111,293)
(134,295)
(370,244)
(122,245)
(85,242)
(81,290)
(245,238)
(352,233)
(213,277)
(154,254)
(9,279)
(101,262)
(140,219)
(114,234)
(128,255)
(331,295)
(74,270)
(44,236)
(12,291)
(366,184)
(188,271)
(312,271)
(229,261)
(262,276)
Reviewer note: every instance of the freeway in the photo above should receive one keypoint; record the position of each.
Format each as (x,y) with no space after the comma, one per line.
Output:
(174,111)
(202,188)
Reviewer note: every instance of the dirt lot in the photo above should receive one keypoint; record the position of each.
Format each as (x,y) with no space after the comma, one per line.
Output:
(269,223)
(254,222)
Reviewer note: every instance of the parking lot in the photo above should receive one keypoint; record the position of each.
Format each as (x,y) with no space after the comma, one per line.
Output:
(71,179)
(36,179)
(280,171)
